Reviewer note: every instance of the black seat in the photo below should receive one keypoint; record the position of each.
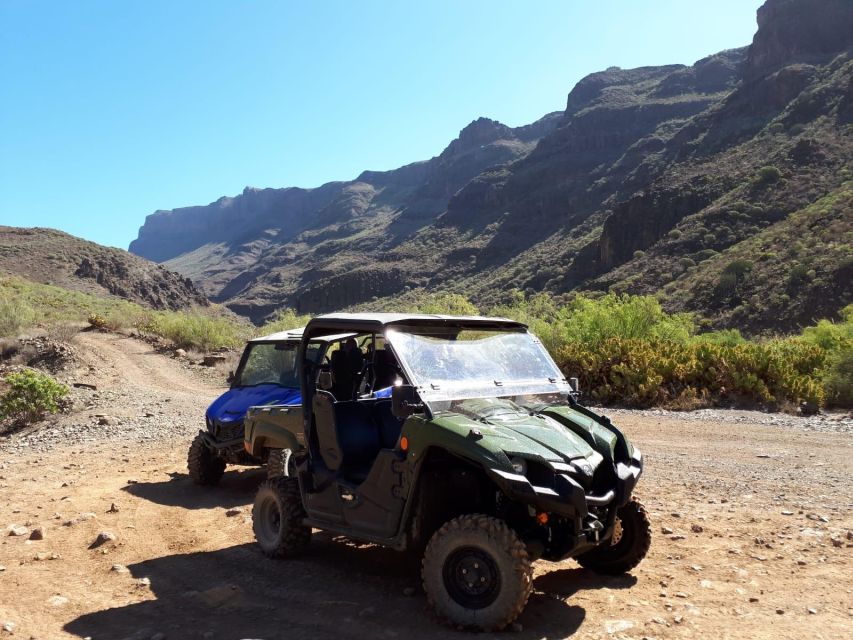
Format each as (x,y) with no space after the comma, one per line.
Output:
(386,369)
(347,370)
(342,378)
(347,435)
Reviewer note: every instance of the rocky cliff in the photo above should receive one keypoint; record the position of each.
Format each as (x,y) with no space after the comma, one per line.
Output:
(53,257)
(269,247)
(648,179)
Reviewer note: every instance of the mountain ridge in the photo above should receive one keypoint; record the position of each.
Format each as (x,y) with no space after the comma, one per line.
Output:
(567,203)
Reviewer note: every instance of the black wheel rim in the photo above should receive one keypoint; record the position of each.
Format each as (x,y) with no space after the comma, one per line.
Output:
(269,526)
(472,578)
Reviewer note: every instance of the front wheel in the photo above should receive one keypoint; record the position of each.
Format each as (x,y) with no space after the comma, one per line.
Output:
(204,465)
(476,573)
(277,518)
(627,547)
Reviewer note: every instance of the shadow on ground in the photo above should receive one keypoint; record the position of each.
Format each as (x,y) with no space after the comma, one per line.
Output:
(237,488)
(337,589)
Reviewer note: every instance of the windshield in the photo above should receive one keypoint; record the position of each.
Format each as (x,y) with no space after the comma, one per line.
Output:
(269,363)
(452,363)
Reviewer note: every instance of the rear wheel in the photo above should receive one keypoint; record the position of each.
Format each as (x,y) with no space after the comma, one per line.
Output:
(277,518)
(204,465)
(630,543)
(476,573)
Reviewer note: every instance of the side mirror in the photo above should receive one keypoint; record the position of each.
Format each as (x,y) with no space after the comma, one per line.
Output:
(230,378)
(576,388)
(405,401)
(324,380)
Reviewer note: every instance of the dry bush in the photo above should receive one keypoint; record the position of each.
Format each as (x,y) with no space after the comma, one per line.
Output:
(63,332)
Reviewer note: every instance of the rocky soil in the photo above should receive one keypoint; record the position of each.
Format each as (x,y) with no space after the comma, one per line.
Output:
(103,535)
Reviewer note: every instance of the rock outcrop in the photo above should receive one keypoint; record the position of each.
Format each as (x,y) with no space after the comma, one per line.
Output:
(53,257)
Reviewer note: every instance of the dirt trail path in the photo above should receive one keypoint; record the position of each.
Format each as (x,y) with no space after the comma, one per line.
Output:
(134,363)
(738,537)
(130,393)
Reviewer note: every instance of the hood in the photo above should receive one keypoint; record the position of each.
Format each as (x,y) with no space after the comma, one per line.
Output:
(232,405)
(519,433)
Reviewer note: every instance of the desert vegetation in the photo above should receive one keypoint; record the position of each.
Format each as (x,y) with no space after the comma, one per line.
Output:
(625,349)
(29,395)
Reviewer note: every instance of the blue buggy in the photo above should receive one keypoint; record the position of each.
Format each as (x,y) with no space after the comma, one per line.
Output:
(267,375)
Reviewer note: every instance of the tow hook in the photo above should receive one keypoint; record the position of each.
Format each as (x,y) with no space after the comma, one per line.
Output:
(595,528)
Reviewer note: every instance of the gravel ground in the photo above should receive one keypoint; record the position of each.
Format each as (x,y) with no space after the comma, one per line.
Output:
(831,422)
(103,535)
(138,395)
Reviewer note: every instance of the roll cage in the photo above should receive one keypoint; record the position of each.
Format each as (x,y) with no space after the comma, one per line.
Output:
(375,324)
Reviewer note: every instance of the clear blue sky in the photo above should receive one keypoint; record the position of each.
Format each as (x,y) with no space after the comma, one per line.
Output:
(110,110)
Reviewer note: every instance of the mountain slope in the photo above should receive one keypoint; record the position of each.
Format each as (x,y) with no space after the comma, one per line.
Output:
(647,174)
(267,247)
(52,257)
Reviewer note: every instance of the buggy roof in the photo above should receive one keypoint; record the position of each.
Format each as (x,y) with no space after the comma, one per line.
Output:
(379,321)
(281,336)
(294,335)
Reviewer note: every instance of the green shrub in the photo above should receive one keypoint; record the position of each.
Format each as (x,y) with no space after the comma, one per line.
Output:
(590,321)
(195,330)
(15,315)
(627,350)
(705,254)
(447,304)
(836,340)
(768,175)
(726,284)
(832,336)
(799,274)
(838,380)
(30,395)
(284,320)
(724,337)
(738,268)
(644,373)
(54,305)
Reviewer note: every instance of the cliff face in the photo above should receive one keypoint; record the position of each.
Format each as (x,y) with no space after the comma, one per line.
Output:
(648,177)
(167,234)
(792,31)
(269,247)
(53,257)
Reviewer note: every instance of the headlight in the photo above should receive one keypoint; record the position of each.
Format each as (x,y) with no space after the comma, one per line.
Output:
(519,465)
(586,467)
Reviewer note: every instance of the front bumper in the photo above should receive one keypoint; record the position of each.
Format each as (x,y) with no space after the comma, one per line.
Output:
(567,497)
(226,439)
(223,434)
(578,519)
(219,445)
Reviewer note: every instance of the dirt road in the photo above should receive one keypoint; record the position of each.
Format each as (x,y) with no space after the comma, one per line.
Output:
(751,525)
